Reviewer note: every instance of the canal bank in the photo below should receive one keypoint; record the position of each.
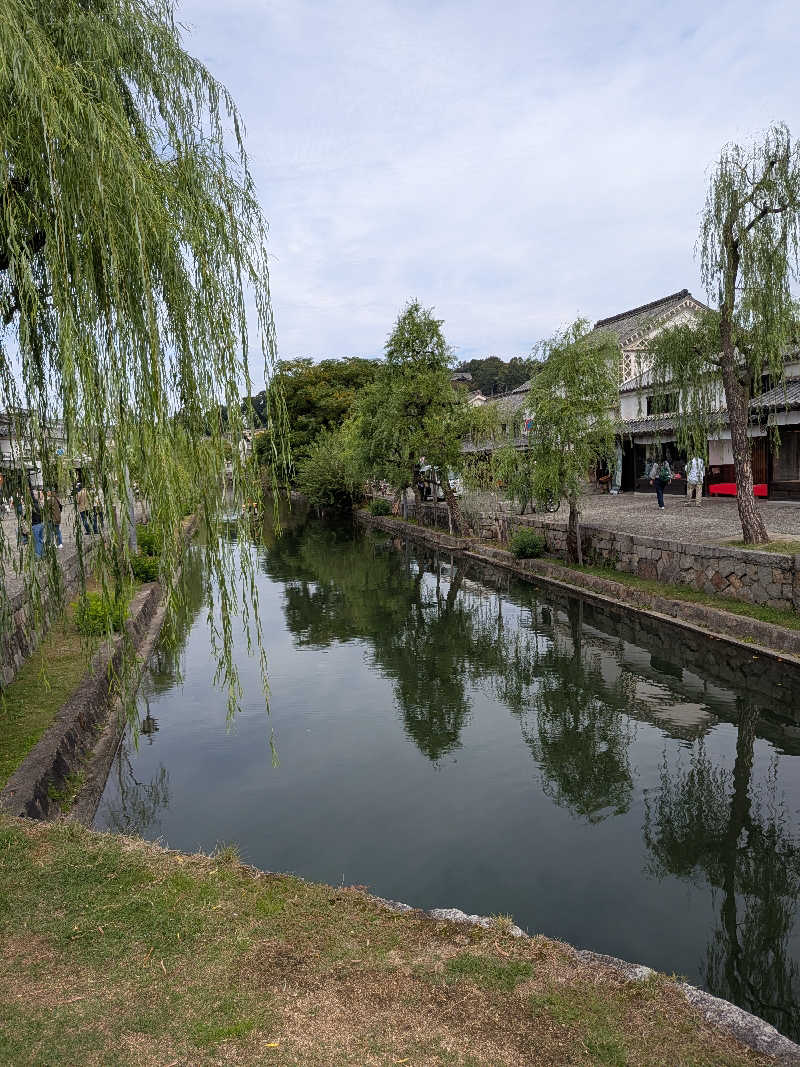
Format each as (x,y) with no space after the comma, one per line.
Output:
(751,634)
(117,949)
(66,755)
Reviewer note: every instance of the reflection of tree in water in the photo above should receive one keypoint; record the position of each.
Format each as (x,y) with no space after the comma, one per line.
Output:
(423,632)
(713,824)
(582,733)
(164,668)
(139,803)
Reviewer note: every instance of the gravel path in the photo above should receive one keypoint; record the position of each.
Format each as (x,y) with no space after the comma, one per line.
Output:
(714,522)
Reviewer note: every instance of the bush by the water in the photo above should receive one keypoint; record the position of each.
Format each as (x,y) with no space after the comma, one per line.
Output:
(380,507)
(145,568)
(149,540)
(94,616)
(525,544)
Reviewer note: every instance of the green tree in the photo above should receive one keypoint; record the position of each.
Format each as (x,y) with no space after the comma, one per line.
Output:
(572,405)
(493,375)
(330,475)
(131,241)
(318,396)
(400,416)
(749,242)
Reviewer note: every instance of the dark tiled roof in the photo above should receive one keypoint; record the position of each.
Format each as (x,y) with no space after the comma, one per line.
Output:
(510,403)
(786,397)
(630,322)
(647,424)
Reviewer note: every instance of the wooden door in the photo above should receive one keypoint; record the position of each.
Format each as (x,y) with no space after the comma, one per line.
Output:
(759,459)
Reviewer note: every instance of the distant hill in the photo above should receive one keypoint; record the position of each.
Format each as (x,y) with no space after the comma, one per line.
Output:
(493,375)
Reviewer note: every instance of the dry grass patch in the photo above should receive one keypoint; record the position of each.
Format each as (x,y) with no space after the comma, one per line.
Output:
(118,951)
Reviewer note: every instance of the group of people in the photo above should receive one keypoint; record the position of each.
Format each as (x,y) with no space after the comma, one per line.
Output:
(661,475)
(41,520)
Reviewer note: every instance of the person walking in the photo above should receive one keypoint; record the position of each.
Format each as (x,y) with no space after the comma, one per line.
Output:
(53,511)
(83,504)
(695,473)
(97,508)
(660,476)
(37,522)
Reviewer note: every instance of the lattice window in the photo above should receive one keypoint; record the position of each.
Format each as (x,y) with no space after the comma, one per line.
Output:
(627,365)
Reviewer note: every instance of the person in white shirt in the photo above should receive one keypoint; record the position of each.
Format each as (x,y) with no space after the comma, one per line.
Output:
(695,473)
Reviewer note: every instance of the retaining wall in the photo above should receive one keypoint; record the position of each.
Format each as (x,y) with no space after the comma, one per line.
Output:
(20,634)
(60,751)
(756,577)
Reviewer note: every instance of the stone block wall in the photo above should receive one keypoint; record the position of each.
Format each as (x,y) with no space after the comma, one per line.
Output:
(755,577)
(19,638)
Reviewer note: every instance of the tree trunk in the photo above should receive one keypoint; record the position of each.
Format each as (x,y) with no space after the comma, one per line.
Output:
(417,501)
(453,510)
(737,401)
(574,548)
(737,397)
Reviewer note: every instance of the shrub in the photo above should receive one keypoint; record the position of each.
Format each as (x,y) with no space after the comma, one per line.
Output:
(145,568)
(149,541)
(380,507)
(525,544)
(94,616)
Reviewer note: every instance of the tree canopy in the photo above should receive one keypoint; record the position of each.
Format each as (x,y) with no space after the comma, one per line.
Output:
(131,246)
(494,375)
(317,396)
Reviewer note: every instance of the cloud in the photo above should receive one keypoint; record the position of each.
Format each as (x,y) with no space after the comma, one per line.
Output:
(511,164)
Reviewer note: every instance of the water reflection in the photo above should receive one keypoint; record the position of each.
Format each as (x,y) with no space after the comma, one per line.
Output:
(138,804)
(633,756)
(576,732)
(707,822)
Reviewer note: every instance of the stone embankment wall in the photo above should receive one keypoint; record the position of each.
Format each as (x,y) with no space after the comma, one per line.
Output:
(60,751)
(767,637)
(20,634)
(756,577)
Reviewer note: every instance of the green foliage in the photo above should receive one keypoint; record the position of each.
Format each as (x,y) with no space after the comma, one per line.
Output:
(330,475)
(94,616)
(527,544)
(149,540)
(493,375)
(412,414)
(145,568)
(131,247)
(318,396)
(380,507)
(572,405)
(749,244)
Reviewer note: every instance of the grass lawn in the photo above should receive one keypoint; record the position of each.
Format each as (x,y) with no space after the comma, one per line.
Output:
(114,951)
(763,612)
(785,547)
(47,678)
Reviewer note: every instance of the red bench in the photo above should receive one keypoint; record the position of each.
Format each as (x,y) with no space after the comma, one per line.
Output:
(729,489)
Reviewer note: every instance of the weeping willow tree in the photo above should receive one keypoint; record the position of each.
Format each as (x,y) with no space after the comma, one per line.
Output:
(749,243)
(572,405)
(131,247)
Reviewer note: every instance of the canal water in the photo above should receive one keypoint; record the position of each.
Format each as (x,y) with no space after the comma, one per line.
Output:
(451,737)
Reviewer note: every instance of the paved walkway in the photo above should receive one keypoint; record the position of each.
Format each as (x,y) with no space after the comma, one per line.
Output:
(714,522)
(9,566)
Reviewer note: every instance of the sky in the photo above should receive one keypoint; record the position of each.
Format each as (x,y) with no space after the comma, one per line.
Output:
(511,165)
